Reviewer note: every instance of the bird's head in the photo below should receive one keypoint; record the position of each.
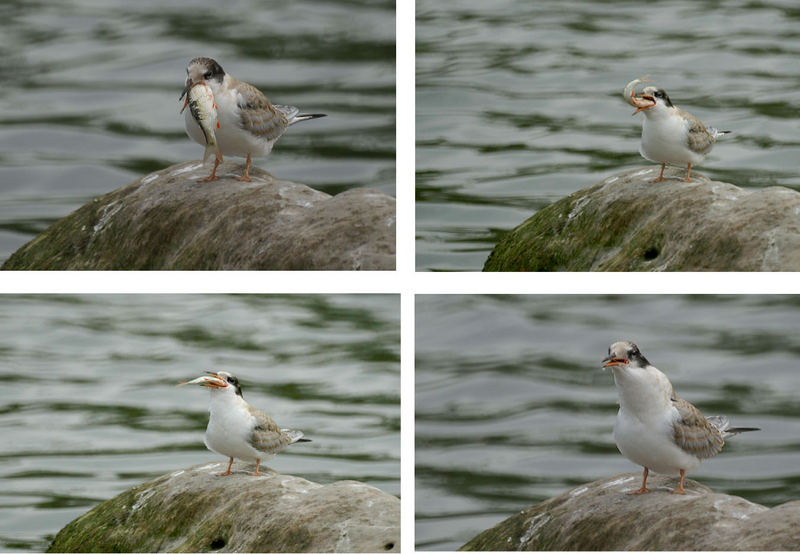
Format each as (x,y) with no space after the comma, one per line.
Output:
(624,353)
(652,100)
(203,70)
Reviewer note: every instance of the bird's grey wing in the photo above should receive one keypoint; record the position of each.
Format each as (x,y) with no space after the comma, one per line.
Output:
(693,432)
(266,436)
(698,139)
(290,112)
(257,114)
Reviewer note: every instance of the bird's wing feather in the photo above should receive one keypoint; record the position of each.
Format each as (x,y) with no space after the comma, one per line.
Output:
(290,112)
(257,114)
(266,436)
(693,432)
(698,139)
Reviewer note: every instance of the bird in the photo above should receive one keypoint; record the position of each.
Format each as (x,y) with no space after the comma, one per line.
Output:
(671,135)
(249,124)
(655,428)
(238,430)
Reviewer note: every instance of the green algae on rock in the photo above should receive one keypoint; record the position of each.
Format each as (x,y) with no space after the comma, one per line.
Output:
(194,510)
(627,223)
(602,516)
(168,220)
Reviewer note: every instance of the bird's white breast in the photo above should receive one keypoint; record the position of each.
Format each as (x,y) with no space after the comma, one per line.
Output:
(233,140)
(229,427)
(664,138)
(643,429)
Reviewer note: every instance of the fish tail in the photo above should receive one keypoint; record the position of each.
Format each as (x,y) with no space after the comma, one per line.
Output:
(212,148)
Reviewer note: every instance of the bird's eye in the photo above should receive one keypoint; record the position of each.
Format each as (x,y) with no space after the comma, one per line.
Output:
(207,75)
(659,94)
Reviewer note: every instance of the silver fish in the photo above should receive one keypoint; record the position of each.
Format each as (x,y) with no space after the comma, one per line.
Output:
(200,100)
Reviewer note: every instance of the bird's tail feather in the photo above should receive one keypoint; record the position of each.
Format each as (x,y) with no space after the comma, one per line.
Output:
(305,116)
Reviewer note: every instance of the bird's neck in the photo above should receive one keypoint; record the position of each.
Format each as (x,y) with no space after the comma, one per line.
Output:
(225,401)
(644,392)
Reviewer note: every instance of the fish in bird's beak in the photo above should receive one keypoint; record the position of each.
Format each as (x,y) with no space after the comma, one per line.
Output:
(210,380)
(189,84)
(650,101)
(612,361)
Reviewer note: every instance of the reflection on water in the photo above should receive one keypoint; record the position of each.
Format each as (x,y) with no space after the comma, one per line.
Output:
(89,405)
(90,95)
(512,407)
(519,104)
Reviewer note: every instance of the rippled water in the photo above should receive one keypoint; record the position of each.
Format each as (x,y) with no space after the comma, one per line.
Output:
(89,406)
(90,94)
(519,103)
(512,407)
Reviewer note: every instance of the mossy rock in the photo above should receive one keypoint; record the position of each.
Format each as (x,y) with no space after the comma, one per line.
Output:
(195,510)
(170,220)
(628,223)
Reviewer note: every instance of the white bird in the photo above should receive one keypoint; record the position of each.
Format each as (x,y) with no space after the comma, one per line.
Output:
(249,124)
(669,134)
(236,429)
(655,428)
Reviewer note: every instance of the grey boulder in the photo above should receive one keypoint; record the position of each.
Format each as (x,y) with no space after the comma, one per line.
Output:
(169,220)
(602,516)
(628,223)
(194,510)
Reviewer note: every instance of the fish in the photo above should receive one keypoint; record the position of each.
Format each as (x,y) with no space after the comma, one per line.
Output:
(629,95)
(200,100)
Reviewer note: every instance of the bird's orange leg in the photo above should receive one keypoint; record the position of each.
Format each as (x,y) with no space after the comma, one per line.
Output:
(644,488)
(680,489)
(212,177)
(246,176)
(227,471)
(660,175)
(688,174)
(258,463)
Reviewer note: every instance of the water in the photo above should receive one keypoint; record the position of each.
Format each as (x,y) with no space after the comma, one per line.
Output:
(89,406)
(519,104)
(90,94)
(512,407)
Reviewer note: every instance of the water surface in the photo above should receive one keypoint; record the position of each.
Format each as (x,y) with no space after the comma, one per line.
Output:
(519,104)
(89,405)
(90,95)
(512,407)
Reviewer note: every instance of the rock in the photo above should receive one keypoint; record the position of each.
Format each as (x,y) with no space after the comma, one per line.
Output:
(601,516)
(627,223)
(168,220)
(194,510)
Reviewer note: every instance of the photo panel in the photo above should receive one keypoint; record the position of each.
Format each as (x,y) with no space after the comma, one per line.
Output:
(516,406)
(94,420)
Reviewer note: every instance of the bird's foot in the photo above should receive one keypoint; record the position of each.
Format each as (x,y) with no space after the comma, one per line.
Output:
(244,177)
(657,179)
(229,472)
(210,178)
(256,474)
(679,490)
(643,490)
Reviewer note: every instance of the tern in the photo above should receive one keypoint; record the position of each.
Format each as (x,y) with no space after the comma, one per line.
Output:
(670,135)
(656,429)
(249,124)
(236,429)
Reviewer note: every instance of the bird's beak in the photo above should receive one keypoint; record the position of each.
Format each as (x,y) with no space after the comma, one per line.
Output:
(641,106)
(189,84)
(210,380)
(612,361)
